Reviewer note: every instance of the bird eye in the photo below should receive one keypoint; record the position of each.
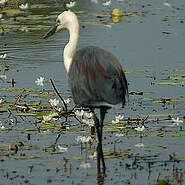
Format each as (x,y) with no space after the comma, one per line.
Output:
(58,22)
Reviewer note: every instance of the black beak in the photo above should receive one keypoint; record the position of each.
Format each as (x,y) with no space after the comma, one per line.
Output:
(50,32)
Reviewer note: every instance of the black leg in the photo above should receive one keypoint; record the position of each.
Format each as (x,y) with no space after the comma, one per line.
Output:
(98,158)
(57,139)
(102,116)
(97,125)
(101,150)
(99,130)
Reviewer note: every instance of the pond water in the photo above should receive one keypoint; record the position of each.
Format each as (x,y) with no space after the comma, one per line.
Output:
(149,41)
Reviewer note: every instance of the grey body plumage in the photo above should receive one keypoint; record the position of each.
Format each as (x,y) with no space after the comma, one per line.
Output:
(96,78)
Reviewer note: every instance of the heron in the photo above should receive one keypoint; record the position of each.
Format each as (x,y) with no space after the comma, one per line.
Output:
(95,77)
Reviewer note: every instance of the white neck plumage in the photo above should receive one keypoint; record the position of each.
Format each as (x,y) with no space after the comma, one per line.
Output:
(71,46)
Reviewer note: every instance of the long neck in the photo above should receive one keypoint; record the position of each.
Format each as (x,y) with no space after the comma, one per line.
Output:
(71,46)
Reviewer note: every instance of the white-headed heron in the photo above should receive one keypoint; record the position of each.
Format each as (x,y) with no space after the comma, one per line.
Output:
(96,78)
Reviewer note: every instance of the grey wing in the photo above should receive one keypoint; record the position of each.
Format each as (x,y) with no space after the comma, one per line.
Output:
(97,79)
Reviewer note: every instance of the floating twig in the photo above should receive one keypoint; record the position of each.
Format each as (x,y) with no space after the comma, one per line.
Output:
(57,139)
(59,94)
(143,121)
(19,97)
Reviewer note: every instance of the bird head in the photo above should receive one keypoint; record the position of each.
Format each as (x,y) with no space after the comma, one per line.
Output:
(64,21)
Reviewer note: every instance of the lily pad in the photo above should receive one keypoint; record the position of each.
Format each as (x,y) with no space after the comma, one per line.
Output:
(182,83)
(156,115)
(162,182)
(177,70)
(169,100)
(135,71)
(102,15)
(51,114)
(178,77)
(13,12)
(39,6)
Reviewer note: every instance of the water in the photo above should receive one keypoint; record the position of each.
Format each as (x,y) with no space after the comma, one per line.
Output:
(144,43)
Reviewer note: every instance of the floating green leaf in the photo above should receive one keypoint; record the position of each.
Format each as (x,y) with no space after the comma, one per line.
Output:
(178,77)
(46,113)
(13,12)
(116,12)
(169,100)
(177,70)
(182,83)
(162,182)
(157,115)
(102,15)
(116,15)
(135,71)
(164,19)
(175,135)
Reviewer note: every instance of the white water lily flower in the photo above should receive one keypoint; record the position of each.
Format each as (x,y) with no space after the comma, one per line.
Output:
(177,120)
(3,56)
(107,3)
(1,100)
(85,165)
(174,124)
(115,121)
(24,29)
(59,109)
(3,77)
(93,156)
(67,128)
(107,25)
(67,101)
(167,4)
(2,2)
(12,120)
(94,1)
(71,4)
(120,117)
(90,122)
(23,7)
(83,139)
(79,113)
(84,121)
(62,149)
(46,118)
(140,129)
(139,145)
(88,114)
(40,81)
(1,15)
(1,126)
(54,102)
(120,134)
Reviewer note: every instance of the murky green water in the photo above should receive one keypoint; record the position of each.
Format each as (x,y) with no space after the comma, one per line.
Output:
(149,43)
